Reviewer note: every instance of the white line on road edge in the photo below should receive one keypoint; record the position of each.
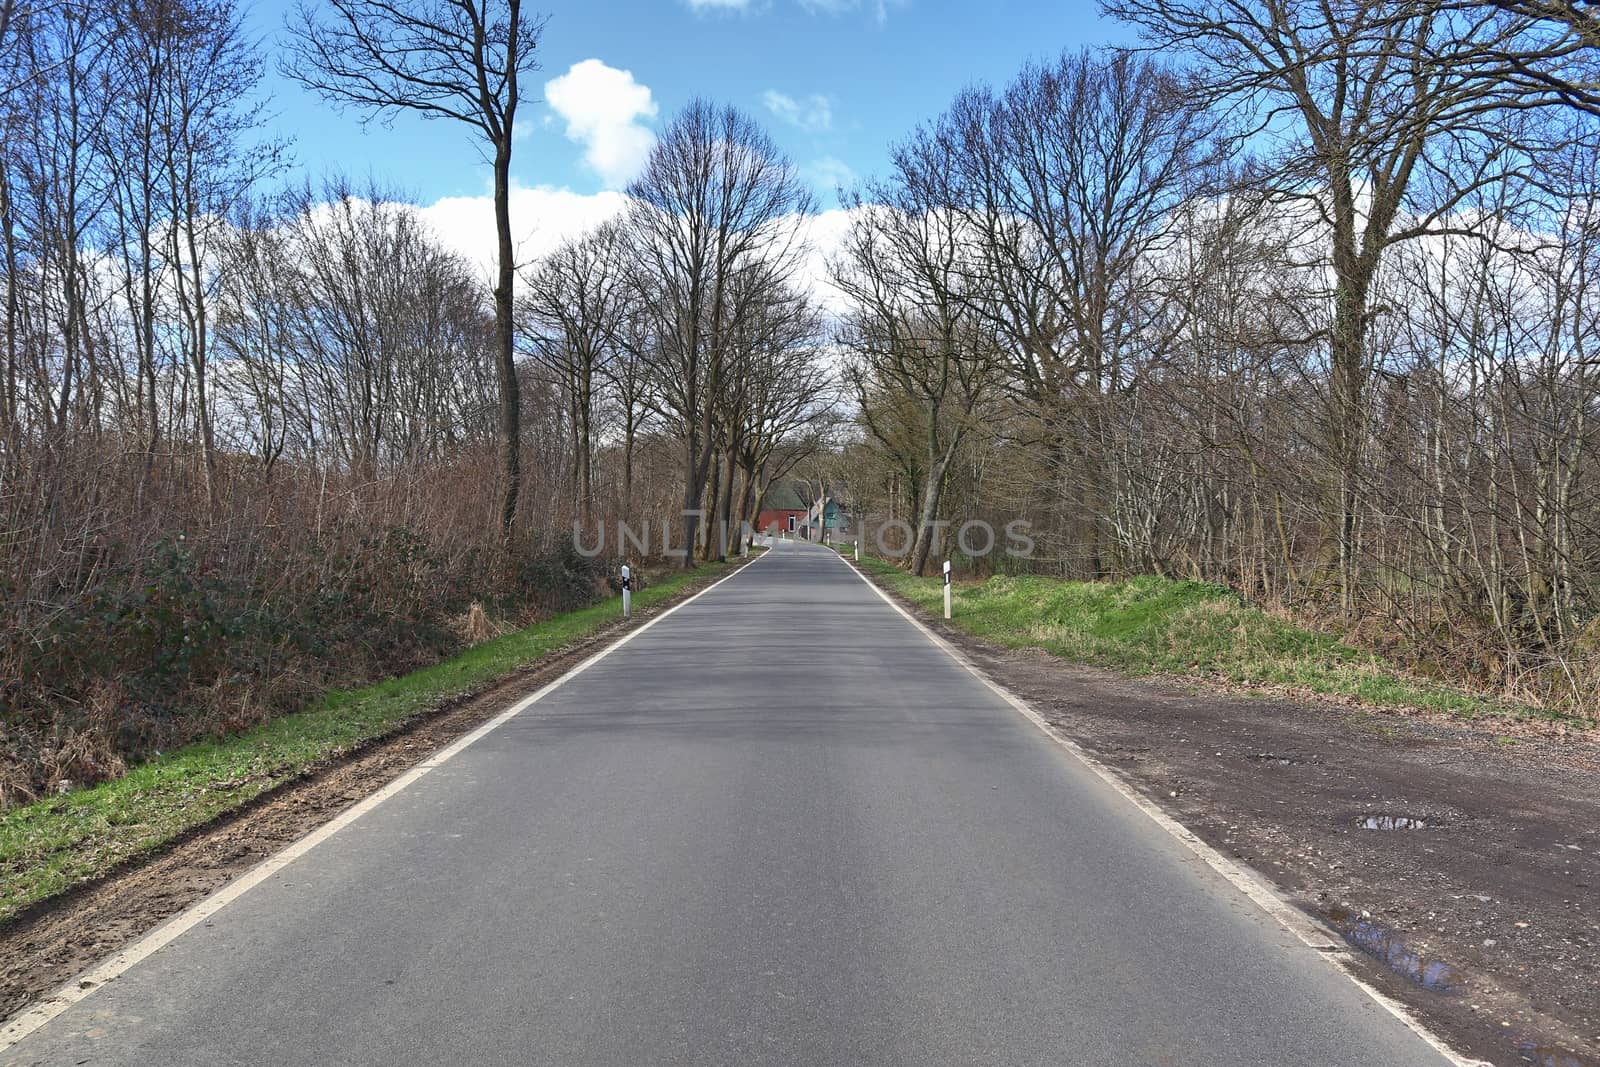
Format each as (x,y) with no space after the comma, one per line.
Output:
(85,984)
(1242,878)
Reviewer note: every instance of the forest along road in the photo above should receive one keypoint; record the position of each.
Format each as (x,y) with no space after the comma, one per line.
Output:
(780,826)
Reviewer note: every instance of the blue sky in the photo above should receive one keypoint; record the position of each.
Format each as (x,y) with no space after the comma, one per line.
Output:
(859,74)
(834,81)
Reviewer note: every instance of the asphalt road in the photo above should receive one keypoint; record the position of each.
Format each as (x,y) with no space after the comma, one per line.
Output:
(782,827)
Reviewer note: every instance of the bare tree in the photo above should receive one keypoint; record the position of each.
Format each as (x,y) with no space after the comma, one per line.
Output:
(1385,118)
(922,363)
(575,303)
(777,390)
(716,200)
(784,403)
(628,375)
(1066,184)
(382,340)
(461,60)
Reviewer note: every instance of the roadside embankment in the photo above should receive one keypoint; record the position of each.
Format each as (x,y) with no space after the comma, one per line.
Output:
(50,846)
(1193,630)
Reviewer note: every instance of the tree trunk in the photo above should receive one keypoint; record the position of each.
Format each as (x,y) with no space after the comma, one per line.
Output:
(725,506)
(695,460)
(747,497)
(1347,389)
(708,508)
(931,492)
(505,355)
(575,475)
(585,449)
(9,432)
(627,469)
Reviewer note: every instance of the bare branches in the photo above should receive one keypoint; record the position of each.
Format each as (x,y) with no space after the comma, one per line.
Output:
(455,59)
(715,229)
(1556,49)
(922,362)
(1349,368)
(1386,119)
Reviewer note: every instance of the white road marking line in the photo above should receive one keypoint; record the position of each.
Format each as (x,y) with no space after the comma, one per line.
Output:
(31,1018)
(1240,877)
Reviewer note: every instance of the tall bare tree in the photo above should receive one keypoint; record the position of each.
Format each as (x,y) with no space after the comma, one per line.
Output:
(462,60)
(1381,119)
(777,388)
(922,362)
(1066,183)
(575,306)
(716,201)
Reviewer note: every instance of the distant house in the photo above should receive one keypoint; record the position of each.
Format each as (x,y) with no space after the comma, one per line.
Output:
(784,509)
(824,516)
(789,508)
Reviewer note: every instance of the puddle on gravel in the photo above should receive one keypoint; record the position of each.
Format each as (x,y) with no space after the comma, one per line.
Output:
(1552,1056)
(1389,948)
(1391,822)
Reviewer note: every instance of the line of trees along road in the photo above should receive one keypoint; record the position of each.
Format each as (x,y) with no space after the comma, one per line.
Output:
(1300,298)
(258,440)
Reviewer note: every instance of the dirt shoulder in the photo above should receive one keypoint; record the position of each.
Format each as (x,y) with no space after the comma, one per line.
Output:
(1485,920)
(51,942)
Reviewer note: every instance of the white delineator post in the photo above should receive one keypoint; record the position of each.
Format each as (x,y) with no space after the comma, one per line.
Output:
(947,589)
(858,546)
(627,591)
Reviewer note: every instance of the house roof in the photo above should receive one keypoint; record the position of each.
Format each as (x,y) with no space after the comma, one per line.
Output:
(785,496)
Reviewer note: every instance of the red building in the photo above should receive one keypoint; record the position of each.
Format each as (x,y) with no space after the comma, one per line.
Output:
(783,510)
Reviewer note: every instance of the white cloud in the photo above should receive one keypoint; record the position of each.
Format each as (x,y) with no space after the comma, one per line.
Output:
(879,8)
(824,236)
(604,109)
(812,114)
(541,218)
(828,174)
(544,216)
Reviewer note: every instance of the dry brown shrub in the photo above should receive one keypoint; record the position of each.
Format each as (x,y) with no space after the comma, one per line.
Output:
(476,627)
(77,755)
(16,783)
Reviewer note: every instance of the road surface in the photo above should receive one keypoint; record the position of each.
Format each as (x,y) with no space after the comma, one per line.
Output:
(781,826)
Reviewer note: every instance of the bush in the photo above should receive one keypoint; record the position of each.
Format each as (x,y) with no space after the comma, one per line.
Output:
(191,642)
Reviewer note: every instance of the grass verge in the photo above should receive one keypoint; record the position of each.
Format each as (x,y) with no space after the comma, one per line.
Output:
(52,845)
(1152,625)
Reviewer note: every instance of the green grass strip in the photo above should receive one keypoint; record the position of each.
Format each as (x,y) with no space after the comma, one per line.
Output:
(1151,625)
(51,845)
